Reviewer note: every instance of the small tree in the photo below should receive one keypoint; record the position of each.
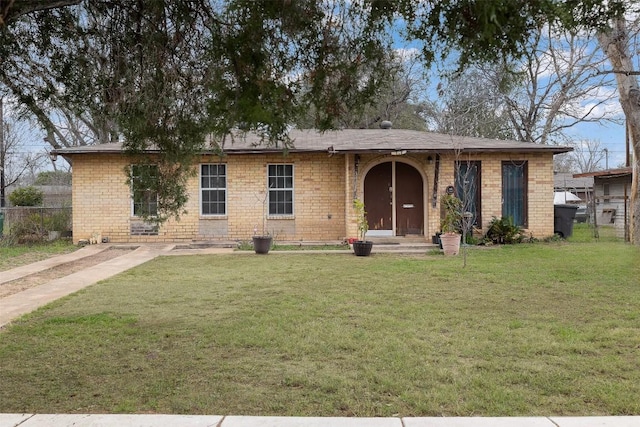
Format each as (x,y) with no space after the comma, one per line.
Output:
(361,218)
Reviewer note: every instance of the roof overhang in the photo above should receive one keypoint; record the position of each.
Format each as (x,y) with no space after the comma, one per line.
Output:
(349,141)
(609,173)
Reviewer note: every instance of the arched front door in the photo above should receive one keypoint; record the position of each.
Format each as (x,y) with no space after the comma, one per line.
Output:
(393,195)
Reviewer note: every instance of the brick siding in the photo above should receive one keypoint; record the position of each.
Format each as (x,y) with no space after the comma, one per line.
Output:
(323,194)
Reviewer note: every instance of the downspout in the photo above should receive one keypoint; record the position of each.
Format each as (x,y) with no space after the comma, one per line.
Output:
(436,173)
(356,165)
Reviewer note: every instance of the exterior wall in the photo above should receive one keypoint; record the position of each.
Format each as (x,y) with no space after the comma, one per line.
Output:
(539,186)
(324,189)
(102,202)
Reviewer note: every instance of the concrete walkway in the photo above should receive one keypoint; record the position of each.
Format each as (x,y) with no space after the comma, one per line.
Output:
(101,420)
(26,301)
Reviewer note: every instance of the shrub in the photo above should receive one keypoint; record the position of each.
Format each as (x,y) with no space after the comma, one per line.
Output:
(503,230)
(451,221)
(27,228)
(26,196)
(58,221)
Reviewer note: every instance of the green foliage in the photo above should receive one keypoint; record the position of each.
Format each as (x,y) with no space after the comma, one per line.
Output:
(361,218)
(504,231)
(58,221)
(26,196)
(245,245)
(53,178)
(29,224)
(451,207)
(29,228)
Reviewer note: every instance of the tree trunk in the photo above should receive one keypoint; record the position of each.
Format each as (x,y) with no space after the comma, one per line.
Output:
(615,43)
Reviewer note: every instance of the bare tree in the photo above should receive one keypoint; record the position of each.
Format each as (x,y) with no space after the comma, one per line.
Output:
(588,155)
(560,86)
(619,42)
(17,164)
(471,104)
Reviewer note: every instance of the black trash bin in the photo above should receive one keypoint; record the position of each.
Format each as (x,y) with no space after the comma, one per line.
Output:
(563,216)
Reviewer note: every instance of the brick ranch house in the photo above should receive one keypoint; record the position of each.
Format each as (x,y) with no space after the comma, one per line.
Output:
(308,192)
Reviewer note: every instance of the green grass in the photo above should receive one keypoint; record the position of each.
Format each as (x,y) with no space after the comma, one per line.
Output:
(532,329)
(301,247)
(12,256)
(586,233)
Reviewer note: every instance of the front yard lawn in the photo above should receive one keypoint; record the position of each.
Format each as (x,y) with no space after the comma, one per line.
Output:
(12,256)
(533,329)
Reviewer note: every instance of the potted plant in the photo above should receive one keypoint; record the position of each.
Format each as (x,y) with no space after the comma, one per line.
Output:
(262,242)
(450,224)
(361,247)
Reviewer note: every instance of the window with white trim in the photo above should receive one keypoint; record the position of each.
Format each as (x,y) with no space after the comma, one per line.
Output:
(213,189)
(280,183)
(144,198)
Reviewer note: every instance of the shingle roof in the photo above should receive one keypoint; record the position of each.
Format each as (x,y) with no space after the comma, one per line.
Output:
(359,141)
(568,180)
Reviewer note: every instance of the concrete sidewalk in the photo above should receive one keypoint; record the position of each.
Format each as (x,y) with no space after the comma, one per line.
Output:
(153,420)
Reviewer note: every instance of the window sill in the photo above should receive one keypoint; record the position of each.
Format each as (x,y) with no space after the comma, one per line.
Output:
(281,217)
(214,217)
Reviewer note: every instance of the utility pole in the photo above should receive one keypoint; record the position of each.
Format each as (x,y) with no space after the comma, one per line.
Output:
(2,156)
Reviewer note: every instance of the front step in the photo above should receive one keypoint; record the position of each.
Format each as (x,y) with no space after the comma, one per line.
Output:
(207,244)
(398,240)
(409,247)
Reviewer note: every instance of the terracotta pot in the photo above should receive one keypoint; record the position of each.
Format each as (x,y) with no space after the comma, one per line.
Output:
(450,243)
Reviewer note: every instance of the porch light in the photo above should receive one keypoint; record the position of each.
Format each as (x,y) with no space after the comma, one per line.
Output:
(53,156)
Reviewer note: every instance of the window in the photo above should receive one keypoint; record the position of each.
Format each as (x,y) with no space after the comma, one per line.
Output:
(468,188)
(213,189)
(514,192)
(280,181)
(145,199)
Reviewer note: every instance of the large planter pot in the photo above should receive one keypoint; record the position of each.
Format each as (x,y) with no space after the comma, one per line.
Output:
(450,243)
(262,244)
(362,247)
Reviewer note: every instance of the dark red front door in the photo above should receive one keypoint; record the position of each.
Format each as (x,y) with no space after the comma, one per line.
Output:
(409,200)
(378,188)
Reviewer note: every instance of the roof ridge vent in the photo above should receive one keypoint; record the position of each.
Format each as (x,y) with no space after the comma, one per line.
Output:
(385,124)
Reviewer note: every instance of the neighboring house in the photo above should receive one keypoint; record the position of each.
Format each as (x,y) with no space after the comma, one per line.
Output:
(612,193)
(309,190)
(581,186)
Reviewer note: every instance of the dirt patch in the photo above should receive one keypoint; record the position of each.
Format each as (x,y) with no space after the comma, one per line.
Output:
(61,270)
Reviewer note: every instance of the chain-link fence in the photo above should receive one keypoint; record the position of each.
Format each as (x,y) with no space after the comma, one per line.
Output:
(34,224)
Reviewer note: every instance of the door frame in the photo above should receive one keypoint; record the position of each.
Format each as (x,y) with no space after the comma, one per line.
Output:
(417,165)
